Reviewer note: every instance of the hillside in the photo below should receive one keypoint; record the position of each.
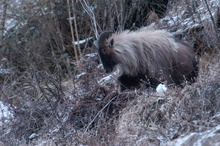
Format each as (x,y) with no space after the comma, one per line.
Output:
(54,90)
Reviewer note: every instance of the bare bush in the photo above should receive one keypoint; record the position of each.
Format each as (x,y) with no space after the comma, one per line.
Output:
(52,86)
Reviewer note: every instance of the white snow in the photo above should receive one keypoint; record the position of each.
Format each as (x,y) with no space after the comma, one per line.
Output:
(79,75)
(91,55)
(55,129)
(70,18)
(181,18)
(161,88)
(82,41)
(5,114)
(10,23)
(33,135)
(4,71)
(198,139)
(105,80)
(100,66)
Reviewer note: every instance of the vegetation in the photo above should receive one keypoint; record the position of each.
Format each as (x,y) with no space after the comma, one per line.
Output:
(49,78)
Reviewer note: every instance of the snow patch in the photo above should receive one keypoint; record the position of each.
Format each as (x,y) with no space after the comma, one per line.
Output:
(105,80)
(161,88)
(10,23)
(100,66)
(81,41)
(5,114)
(199,139)
(79,75)
(181,18)
(33,135)
(4,71)
(91,55)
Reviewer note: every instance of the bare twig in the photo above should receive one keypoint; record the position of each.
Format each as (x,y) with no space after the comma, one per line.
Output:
(76,29)
(99,113)
(91,14)
(72,32)
(4,17)
(213,21)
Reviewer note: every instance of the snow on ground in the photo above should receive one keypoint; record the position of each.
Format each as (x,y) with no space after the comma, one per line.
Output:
(187,18)
(79,75)
(105,80)
(210,137)
(161,88)
(4,71)
(82,41)
(5,114)
(10,23)
(91,55)
(15,11)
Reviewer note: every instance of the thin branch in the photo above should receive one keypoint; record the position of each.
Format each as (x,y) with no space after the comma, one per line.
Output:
(4,17)
(76,29)
(72,32)
(213,21)
(91,15)
(99,113)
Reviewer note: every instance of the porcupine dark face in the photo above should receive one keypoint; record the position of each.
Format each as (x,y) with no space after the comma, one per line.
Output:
(106,52)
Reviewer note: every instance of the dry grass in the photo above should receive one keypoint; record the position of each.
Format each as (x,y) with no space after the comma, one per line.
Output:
(53,106)
(105,117)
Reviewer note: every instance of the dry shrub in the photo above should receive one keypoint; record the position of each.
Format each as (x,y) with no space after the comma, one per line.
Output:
(79,110)
(44,107)
(156,119)
(196,21)
(34,42)
(102,116)
(34,101)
